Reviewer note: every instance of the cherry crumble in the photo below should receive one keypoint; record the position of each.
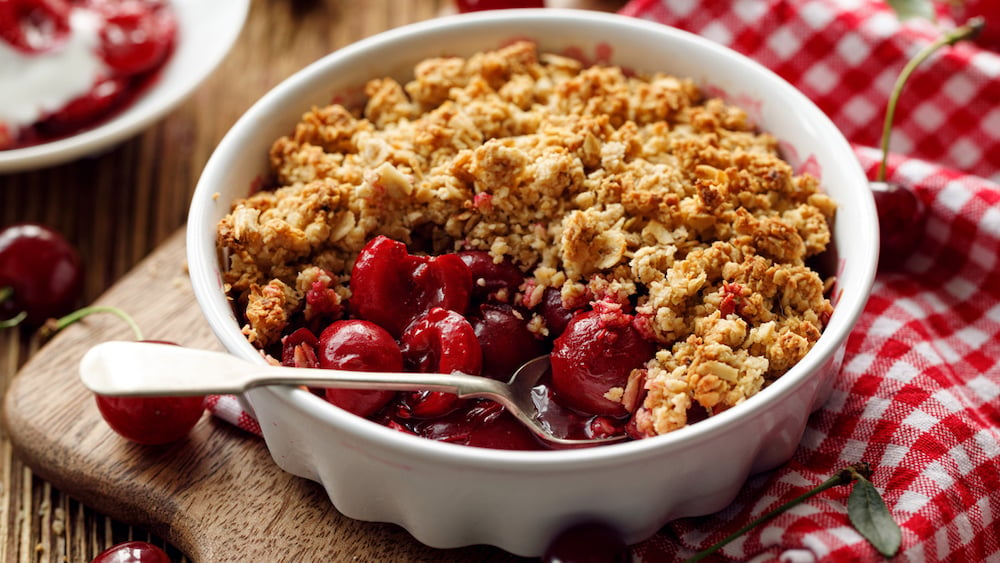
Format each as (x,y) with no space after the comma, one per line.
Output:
(516,203)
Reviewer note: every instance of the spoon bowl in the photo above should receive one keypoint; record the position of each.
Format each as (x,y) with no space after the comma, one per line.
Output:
(146,369)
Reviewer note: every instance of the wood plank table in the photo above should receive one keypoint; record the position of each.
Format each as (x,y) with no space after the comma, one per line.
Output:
(125,211)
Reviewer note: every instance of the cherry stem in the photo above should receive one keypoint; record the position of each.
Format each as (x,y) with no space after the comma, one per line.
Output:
(53,326)
(6,293)
(970,30)
(845,476)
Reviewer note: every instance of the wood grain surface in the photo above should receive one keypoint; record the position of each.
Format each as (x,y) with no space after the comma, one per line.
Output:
(117,208)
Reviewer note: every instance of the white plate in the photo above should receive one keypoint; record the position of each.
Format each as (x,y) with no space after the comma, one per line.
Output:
(206,32)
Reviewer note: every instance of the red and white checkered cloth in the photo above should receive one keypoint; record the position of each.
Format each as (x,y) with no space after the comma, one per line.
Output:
(845,56)
(919,394)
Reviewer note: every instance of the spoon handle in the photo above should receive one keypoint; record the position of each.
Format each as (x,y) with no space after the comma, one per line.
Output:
(150,369)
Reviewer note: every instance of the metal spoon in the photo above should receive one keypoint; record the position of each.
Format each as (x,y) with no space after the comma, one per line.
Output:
(148,369)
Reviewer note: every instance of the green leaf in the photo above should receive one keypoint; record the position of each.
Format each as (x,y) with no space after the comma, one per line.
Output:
(870,516)
(909,9)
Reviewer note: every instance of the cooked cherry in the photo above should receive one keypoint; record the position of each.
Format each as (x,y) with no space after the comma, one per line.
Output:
(101,100)
(480,423)
(42,272)
(298,349)
(392,288)
(565,422)
(137,35)
(555,314)
(492,281)
(132,552)
(358,345)
(596,353)
(505,340)
(322,300)
(478,5)
(34,26)
(441,341)
(588,542)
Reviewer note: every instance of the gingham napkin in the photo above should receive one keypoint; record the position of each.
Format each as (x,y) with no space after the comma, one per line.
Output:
(919,394)
(845,56)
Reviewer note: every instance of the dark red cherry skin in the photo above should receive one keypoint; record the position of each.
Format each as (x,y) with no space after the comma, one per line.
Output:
(137,35)
(588,542)
(902,216)
(477,423)
(441,341)
(492,281)
(44,271)
(484,425)
(392,288)
(479,5)
(505,340)
(555,314)
(34,26)
(101,100)
(151,421)
(298,349)
(132,552)
(358,345)
(596,353)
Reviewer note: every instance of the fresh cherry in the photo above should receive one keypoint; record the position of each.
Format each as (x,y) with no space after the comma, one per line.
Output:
(505,340)
(588,542)
(901,217)
(441,341)
(478,5)
(392,288)
(132,552)
(151,420)
(144,420)
(989,10)
(34,26)
(137,35)
(41,274)
(492,281)
(358,345)
(596,353)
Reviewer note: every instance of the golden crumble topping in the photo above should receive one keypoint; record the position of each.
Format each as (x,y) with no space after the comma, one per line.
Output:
(603,184)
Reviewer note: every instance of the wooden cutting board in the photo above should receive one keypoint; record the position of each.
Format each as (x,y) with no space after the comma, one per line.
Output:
(216,495)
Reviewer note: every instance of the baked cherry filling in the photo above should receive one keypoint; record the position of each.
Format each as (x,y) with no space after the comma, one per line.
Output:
(595,356)
(457,312)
